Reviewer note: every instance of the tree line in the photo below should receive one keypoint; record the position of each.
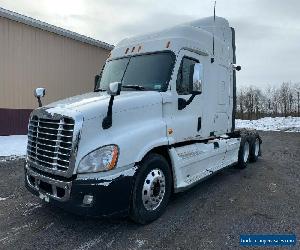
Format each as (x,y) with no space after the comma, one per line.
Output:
(255,103)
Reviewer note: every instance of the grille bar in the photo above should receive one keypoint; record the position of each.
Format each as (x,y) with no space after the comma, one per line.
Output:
(35,126)
(46,139)
(49,157)
(54,166)
(44,150)
(69,136)
(43,144)
(50,142)
(56,123)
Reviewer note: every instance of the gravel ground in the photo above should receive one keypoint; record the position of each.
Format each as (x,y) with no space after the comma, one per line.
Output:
(262,199)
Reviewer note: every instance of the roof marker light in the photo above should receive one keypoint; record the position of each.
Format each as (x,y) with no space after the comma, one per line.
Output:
(168,44)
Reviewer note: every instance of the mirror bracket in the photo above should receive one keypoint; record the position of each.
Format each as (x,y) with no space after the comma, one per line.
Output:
(113,90)
(107,121)
(182,103)
(97,77)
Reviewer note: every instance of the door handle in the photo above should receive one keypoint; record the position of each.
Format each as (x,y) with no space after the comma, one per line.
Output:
(199,124)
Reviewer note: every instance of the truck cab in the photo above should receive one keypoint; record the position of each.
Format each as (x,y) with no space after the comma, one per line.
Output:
(160,119)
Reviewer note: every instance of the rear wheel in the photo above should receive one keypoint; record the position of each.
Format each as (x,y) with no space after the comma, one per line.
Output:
(255,150)
(244,152)
(152,189)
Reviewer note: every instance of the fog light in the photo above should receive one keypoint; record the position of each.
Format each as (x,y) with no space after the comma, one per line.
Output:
(88,199)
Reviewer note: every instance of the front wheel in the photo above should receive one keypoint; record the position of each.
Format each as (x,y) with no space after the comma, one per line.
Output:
(152,189)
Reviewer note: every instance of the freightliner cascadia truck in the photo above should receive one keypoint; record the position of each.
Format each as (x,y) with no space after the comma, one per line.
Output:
(160,119)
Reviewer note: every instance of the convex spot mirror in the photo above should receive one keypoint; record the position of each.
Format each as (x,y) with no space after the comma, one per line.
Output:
(39,92)
(197,72)
(114,88)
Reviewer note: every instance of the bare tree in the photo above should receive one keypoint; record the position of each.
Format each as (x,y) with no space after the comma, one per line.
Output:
(254,102)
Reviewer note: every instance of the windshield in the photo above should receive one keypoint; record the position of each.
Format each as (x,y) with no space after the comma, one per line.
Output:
(144,72)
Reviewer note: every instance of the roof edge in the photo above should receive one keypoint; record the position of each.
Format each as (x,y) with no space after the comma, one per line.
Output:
(53,29)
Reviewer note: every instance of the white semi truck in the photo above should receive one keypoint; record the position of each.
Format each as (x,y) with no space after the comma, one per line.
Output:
(161,118)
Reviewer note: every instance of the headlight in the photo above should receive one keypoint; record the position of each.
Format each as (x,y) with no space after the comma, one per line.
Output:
(101,159)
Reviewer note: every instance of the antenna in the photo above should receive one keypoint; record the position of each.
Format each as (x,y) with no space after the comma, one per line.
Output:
(213,58)
(215,11)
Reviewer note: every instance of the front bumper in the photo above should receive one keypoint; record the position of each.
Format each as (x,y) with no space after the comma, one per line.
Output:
(111,192)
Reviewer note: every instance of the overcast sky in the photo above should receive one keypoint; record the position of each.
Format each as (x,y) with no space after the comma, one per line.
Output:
(267,31)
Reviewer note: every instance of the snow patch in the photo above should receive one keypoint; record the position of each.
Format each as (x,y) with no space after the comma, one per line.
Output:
(284,124)
(140,243)
(12,146)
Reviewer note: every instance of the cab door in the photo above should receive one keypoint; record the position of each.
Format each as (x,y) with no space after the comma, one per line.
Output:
(187,121)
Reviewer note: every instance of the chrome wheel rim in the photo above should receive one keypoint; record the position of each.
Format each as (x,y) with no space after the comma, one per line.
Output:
(256,152)
(154,189)
(246,151)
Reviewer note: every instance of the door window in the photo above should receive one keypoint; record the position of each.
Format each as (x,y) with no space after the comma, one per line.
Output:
(184,83)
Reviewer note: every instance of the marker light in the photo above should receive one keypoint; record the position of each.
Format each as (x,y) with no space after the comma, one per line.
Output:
(133,49)
(126,50)
(168,44)
(170,131)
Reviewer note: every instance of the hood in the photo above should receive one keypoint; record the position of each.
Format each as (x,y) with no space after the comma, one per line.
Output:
(95,104)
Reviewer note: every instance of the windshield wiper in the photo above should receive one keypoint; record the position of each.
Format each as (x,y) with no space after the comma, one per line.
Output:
(137,87)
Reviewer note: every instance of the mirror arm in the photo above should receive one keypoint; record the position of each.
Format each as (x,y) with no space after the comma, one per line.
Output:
(97,77)
(182,103)
(39,101)
(107,121)
(188,102)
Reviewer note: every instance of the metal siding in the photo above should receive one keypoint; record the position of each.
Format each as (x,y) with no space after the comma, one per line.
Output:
(30,58)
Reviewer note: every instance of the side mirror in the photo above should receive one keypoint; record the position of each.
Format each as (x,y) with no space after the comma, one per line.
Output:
(196,73)
(97,77)
(114,88)
(197,78)
(38,93)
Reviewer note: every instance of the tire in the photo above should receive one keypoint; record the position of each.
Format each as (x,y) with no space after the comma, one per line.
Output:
(152,189)
(255,149)
(244,152)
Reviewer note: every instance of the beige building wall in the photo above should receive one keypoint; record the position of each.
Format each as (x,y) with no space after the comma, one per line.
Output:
(31,58)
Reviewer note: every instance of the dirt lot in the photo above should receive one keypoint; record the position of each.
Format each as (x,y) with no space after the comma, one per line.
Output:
(264,198)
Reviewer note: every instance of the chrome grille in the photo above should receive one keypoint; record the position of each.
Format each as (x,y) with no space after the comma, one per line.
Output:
(50,142)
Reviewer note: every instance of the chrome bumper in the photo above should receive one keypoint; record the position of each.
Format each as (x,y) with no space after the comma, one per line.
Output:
(47,187)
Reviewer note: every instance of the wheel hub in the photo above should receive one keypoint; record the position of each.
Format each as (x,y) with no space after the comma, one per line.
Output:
(256,147)
(153,189)
(246,151)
